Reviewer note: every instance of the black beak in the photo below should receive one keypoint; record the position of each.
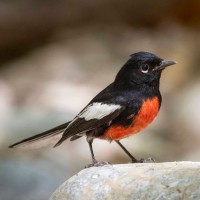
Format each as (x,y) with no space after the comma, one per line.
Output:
(164,64)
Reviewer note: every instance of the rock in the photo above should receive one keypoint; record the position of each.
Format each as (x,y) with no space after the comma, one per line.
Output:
(160,181)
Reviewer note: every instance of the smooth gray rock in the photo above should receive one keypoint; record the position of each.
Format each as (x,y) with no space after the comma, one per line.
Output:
(156,181)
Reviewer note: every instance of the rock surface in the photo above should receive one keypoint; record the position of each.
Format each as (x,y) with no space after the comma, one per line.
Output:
(160,181)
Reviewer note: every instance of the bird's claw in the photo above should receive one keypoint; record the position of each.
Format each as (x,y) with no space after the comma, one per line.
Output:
(148,160)
(98,164)
(142,160)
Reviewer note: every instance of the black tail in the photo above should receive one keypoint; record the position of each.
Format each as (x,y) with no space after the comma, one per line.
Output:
(47,138)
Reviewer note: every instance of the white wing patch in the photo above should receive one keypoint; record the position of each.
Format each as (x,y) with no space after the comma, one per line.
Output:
(98,111)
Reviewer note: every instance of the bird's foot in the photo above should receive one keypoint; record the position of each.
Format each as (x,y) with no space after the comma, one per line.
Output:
(142,160)
(97,164)
(148,160)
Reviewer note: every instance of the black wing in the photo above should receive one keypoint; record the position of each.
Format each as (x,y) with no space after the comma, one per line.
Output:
(93,116)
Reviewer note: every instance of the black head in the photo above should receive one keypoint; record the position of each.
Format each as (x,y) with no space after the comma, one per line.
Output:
(142,68)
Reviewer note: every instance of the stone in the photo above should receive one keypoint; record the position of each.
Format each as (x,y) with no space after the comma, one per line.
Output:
(156,181)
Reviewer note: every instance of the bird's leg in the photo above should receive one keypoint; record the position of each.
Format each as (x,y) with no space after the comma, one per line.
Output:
(95,163)
(134,160)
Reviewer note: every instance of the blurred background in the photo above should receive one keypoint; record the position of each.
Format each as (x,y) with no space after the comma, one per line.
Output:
(56,55)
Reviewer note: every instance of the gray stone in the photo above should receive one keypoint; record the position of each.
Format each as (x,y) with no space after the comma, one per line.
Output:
(156,181)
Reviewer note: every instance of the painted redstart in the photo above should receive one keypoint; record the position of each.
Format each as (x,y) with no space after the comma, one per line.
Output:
(122,109)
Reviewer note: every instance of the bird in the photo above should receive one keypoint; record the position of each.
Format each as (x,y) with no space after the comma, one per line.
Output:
(125,107)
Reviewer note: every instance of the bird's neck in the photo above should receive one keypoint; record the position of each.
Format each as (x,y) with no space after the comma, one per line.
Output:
(131,84)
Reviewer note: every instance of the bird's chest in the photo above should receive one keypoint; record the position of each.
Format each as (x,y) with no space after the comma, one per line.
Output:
(148,111)
(146,114)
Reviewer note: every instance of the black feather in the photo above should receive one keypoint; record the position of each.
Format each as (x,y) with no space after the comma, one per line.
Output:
(80,125)
(49,133)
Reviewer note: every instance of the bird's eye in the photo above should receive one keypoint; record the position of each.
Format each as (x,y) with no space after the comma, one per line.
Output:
(144,68)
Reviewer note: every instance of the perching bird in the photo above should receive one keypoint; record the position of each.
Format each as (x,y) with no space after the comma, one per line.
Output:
(122,109)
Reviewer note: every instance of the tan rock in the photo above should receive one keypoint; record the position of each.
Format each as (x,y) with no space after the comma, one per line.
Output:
(156,181)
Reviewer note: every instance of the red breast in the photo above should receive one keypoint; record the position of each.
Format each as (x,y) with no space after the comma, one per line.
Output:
(145,116)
